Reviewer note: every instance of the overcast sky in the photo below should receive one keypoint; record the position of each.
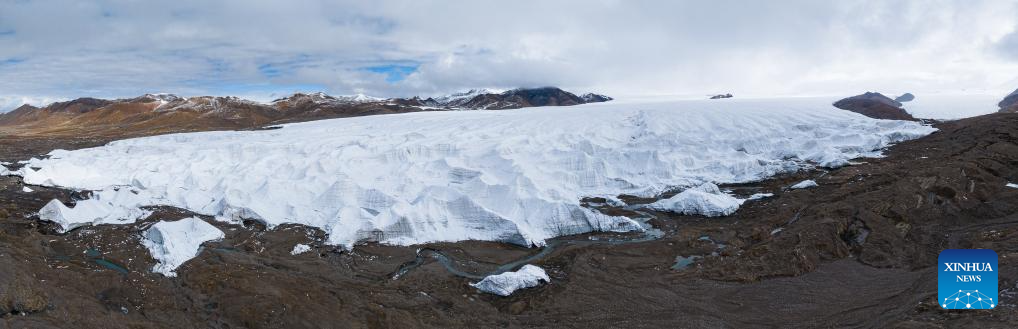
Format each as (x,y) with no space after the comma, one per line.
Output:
(63,49)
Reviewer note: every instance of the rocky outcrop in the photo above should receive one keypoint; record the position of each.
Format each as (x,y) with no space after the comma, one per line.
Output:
(595,98)
(1010,103)
(721,96)
(875,105)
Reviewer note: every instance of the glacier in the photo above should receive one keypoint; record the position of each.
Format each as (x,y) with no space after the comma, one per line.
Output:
(515,176)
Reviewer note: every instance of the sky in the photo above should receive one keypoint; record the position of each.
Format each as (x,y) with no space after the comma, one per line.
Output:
(64,49)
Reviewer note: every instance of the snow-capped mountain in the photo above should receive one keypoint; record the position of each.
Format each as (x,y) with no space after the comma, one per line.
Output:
(162,98)
(208,104)
(359,98)
(457,99)
(489,99)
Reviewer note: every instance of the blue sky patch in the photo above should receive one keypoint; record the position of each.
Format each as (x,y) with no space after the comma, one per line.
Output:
(11,61)
(393,72)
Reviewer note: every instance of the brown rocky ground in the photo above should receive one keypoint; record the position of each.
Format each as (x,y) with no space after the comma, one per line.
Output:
(860,250)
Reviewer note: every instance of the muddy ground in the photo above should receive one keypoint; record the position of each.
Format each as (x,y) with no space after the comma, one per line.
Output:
(859,250)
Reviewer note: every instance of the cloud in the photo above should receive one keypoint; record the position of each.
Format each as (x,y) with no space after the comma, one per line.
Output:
(399,48)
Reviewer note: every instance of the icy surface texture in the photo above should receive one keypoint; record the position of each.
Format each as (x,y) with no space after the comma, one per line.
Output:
(706,200)
(173,243)
(514,176)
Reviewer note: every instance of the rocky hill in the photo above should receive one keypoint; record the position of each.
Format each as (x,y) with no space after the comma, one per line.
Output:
(875,105)
(162,113)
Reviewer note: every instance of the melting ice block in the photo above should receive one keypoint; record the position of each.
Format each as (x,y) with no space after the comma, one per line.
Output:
(804,184)
(173,243)
(706,199)
(506,283)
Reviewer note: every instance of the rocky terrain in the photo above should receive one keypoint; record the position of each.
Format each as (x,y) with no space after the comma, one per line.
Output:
(164,113)
(874,105)
(858,250)
(1010,103)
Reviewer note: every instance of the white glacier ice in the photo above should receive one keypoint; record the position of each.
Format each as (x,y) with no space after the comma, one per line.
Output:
(27,189)
(706,200)
(758,196)
(515,176)
(953,106)
(505,284)
(804,184)
(173,243)
(114,205)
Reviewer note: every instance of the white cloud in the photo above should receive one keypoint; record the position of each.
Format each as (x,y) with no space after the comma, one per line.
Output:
(67,49)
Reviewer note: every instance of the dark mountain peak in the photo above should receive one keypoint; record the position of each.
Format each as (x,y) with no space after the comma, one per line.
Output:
(874,105)
(25,107)
(594,98)
(80,105)
(1009,103)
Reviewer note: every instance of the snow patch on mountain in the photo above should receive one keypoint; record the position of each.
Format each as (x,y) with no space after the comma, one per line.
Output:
(359,98)
(457,98)
(515,176)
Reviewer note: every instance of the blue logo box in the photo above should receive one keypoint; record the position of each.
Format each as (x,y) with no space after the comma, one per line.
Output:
(967,279)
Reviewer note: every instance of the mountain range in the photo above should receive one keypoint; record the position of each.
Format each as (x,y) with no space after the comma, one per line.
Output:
(162,113)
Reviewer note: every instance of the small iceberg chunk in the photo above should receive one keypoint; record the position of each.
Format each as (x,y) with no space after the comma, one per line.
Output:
(805,184)
(706,200)
(1011,185)
(173,243)
(506,283)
